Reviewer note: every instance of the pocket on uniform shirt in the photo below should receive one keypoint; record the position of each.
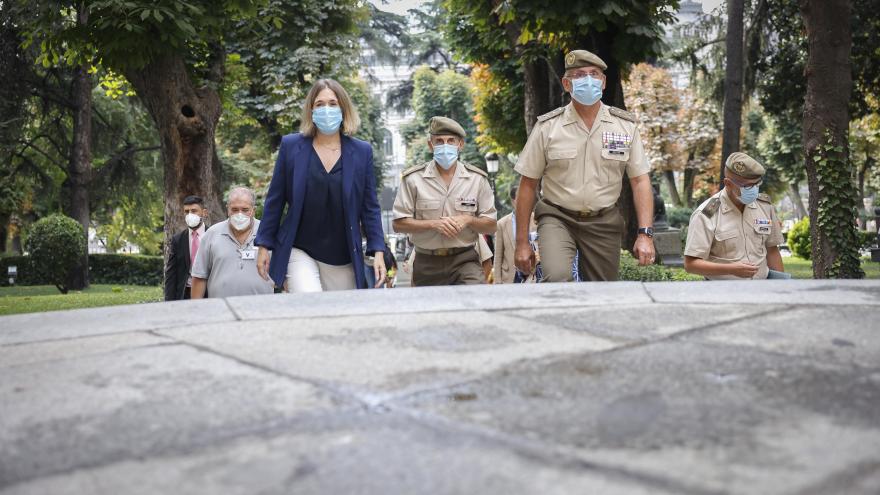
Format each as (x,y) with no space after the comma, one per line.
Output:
(560,157)
(428,209)
(466,208)
(726,245)
(613,164)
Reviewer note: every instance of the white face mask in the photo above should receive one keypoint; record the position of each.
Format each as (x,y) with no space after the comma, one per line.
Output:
(193,220)
(240,221)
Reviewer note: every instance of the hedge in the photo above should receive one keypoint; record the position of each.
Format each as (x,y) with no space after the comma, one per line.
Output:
(123,269)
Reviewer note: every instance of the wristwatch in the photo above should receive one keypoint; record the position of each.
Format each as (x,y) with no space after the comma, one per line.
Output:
(648,231)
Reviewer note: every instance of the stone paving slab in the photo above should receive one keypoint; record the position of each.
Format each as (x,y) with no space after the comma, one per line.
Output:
(643,322)
(437,299)
(847,335)
(54,325)
(64,415)
(822,292)
(339,456)
(66,349)
(716,418)
(378,356)
(612,388)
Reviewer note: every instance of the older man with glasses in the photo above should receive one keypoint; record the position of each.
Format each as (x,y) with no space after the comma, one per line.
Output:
(736,234)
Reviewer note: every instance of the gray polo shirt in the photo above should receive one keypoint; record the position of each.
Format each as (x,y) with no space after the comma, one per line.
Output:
(229,267)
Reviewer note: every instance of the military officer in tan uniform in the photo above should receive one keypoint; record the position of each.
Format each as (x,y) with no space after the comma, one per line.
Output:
(580,154)
(444,204)
(736,234)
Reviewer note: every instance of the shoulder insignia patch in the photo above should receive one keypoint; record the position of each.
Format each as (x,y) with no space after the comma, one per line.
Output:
(711,207)
(765,198)
(475,169)
(551,114)
(623,114)
(413,169)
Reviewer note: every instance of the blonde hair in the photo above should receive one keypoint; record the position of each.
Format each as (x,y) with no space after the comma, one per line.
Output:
(350,119)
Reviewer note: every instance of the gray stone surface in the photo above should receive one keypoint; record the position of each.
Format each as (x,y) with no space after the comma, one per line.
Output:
(617,388)
(56,325)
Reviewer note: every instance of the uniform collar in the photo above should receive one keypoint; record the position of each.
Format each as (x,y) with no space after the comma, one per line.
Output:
(604,114)
(727,204)
(570,115)
(460,170)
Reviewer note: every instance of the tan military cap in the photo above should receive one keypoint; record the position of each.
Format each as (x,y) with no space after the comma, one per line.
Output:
(582,58)
(744,166)
(445,125)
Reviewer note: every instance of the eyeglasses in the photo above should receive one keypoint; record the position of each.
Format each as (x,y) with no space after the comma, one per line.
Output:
(595,74)
(760,181)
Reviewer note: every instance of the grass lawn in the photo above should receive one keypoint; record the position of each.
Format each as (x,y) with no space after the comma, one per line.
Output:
(32,299)
(801,268)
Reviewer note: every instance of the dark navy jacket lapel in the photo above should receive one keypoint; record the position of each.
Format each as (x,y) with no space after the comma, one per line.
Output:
(301,157)
(348,164)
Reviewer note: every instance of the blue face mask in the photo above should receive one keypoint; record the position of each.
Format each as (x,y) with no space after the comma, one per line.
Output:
(748,195)
(445,155)
(327,119)
(586,90)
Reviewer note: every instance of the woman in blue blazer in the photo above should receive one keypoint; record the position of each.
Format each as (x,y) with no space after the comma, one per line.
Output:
(325,179)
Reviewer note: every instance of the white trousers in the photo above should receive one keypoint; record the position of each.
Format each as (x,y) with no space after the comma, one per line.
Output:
(305,274)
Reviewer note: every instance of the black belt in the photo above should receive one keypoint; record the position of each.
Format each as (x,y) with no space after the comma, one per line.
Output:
(583,213)
(443,251)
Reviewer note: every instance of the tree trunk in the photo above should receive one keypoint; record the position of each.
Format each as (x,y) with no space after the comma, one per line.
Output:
(536,91)
(186,118)
(795,196)
(669,175)
(79,169)
(825,129)
(733,82)
(690,174)
(863,174)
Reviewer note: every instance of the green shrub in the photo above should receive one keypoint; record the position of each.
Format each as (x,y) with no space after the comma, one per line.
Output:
(125,269)
(630,270)
(798,238)
(25,274)
(117,269)
(55,245)
(679,216)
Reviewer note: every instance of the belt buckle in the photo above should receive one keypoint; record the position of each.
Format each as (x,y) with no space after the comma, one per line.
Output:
(441,252)
(585,213)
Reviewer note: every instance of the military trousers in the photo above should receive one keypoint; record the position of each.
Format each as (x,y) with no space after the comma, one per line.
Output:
(597,239)
(458,269)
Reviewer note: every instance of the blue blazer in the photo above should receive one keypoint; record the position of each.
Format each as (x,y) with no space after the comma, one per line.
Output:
(288,188)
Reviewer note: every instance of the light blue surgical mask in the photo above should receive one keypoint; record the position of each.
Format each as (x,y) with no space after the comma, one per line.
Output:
(327,119)
(445,155)
(748,195)
(586,90)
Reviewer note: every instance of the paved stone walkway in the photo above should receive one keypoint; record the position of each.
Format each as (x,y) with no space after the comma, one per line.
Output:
(693,388)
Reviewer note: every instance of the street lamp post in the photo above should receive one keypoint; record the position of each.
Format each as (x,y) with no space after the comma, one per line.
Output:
(492,168)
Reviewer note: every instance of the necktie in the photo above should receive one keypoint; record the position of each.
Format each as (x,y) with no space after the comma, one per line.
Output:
(193,247)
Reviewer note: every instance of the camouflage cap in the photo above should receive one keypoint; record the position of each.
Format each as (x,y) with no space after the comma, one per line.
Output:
(744,166)
(445,125)
(582,58)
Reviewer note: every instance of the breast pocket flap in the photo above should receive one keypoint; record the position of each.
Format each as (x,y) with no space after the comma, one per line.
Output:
(561,154)
(618,155)
(723,236)
(427,204)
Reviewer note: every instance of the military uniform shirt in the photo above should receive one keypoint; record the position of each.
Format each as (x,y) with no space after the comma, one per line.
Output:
(722,234)
(423,195)
(582,169)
